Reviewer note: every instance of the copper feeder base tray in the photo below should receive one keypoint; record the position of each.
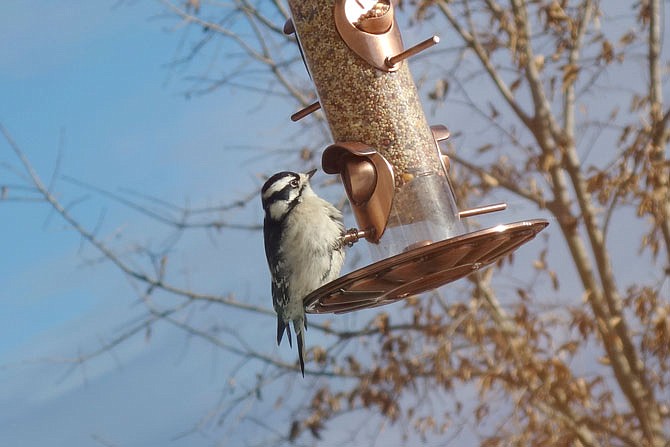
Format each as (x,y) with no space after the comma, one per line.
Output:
(421,269)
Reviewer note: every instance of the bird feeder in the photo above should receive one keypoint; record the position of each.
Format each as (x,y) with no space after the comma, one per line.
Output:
(388,158)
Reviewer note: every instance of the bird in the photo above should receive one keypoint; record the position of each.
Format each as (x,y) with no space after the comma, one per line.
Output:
(303,246)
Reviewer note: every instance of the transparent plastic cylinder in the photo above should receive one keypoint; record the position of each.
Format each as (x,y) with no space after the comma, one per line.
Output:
(382,110)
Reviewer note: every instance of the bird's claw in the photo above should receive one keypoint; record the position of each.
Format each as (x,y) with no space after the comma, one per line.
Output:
(352,235)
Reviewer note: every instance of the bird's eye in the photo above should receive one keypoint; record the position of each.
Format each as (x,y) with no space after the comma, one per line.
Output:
(294,183)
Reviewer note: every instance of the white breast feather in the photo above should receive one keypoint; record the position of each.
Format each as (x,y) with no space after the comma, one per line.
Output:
(311,248)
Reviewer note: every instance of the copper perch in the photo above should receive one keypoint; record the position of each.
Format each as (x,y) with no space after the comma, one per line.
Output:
(353,235)
(300,114)
(419,47)
(482,210)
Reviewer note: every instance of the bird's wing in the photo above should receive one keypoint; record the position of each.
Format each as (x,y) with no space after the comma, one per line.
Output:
(280,299)
(279,272)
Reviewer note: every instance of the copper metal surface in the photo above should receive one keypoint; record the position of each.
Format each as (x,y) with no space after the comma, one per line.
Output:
(419,47)
(373,47)
(300,114)
(353,235)
(421,269)
(440,132)
(374,25)
(368,180)
(446,162)
(289,28)
(482,210)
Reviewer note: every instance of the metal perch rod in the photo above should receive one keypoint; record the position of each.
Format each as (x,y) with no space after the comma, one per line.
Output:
(419,47)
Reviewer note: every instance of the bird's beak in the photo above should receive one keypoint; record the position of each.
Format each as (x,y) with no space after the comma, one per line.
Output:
(309,174)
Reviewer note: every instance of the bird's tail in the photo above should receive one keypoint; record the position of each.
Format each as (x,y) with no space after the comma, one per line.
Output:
(299,328)
(281,328)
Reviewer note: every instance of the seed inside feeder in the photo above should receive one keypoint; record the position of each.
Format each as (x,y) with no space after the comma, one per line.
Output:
(381,110)
(375,20)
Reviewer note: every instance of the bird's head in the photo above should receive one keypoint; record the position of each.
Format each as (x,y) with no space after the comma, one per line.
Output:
(283,191)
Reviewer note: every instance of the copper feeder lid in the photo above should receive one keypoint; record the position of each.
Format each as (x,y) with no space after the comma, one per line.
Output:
(420,269)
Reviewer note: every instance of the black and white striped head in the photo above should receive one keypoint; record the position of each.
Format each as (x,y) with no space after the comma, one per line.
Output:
(283,191)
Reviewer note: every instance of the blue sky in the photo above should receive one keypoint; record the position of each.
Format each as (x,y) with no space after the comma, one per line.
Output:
(95,75)
(99,82)
(94,79)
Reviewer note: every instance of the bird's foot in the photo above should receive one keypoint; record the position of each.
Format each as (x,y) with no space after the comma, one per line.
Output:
(352,235)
